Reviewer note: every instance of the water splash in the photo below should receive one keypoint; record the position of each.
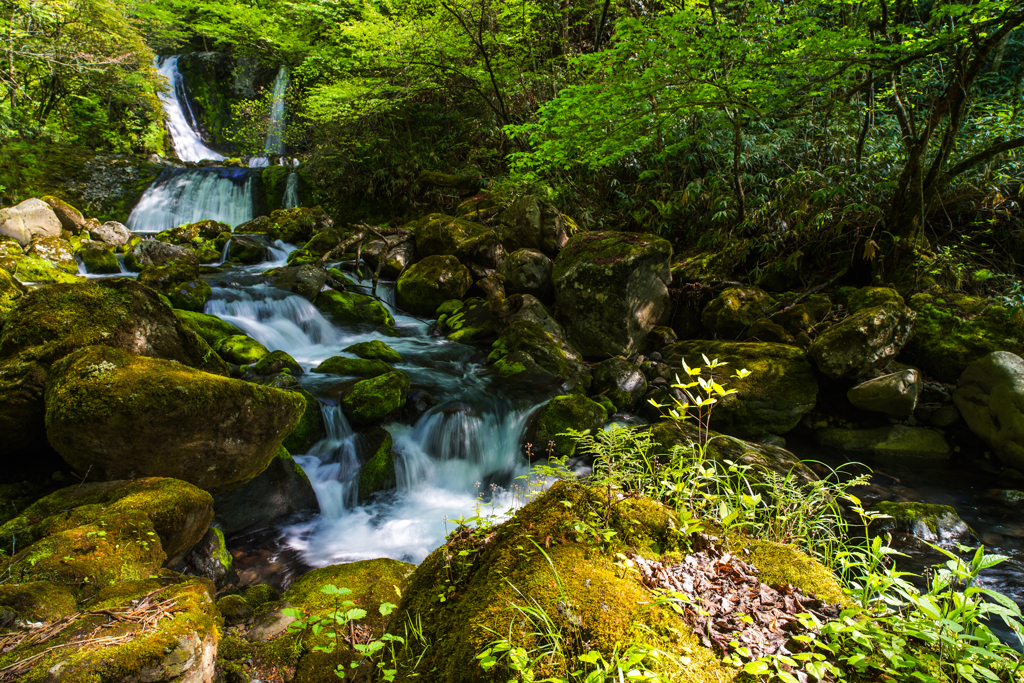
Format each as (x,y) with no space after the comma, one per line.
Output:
(190,195)
(188,143)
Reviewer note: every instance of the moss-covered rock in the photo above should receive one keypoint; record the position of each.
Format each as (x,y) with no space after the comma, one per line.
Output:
(370,401)
(620,381)
(868,339)
(374,350)
(532,223)
(353,367)
(98,259)
(293,226)
(894,440)
(525,351)
(933,523)
(241,350)
(56,250)
(30,269)
(155,253)
(71,219)
(261,594)
(10,291)
(475,245)
(611,289)
(193,233)
(351,308)
(305,280)
(474,322)
(163,278)
(275,362)
(528,271)
(954,330)
(248,249)
(732,312)
(990,396)
(235,609)
(562,413)
(278,492)
(211,328)
(430,282)
(117,415)
(189,296)
(780,389)
(378,472)
(869,297)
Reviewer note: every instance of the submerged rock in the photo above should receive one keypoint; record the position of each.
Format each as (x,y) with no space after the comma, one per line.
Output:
(118,416)
(892,440)
(276,493)
(28,220)
(894,394)
(611,289)
(990,396)
(430,282)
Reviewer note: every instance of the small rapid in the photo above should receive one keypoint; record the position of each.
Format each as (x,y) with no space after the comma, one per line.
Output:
(189,195)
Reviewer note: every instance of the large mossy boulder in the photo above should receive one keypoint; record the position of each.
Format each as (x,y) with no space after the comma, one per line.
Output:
(735,309)
(156,253)
(867,339)
(306,280)
(211,328)
(294,226)
(311,428)
(576,412)
(374,350)
(353,367)
(193,233)
(242,350)
(780,389)
(527,271)
(370,401)
(118,415)
(611,289)
(98,259)
(56,250)
(71,219)
(990,396)
(531,223)
(377,474)
(430,282)
(277,493)
(352,308)
(526,352)
(620,381)
(29,220)
(475,321)
(191,295)
(954,330)
(475,245)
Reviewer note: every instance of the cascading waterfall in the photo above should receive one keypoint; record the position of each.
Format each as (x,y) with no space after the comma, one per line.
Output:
(275,129)
(291,192)
(186,139)
(190,195)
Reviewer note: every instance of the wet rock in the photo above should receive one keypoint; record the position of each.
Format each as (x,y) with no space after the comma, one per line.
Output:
(28,220)
(294,226)
(270,623)
(10,291)
(780,389)
(305,280)
(248,249)
(374,350)
(155,253)
(475,321)
(524,351)
(211,328)
(311,428)
(275,494)
(430,282)
(210,559)
(527,307)
(528,271)
(71,219)
(352,308)
(370,401)
(892,440)
(189,296)
(867,339)
(894,394)
(241,350)
(990,396)
(98,259)
(56,250)
(275,362)
(111,233)
(214,432)
(353,367)
(475,245)
(732,311)
(611,289)
(932,523)
(235,609)
(400,254)
(660,337)
(378,472)
(193,233)
(531,223)
(561,413)
(619,380)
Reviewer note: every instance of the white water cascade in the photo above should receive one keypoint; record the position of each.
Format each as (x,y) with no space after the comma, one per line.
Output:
(275,129)
(187,141)
(190,195)
(291,192)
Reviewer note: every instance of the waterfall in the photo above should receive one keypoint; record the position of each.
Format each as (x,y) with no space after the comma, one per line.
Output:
(186,139)
(291,192)
(190,195)
(275,130)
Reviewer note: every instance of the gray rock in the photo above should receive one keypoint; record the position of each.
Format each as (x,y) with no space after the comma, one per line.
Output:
(619,380)
(28,220)
(306,280)
(990,396)
(932,523)
(611,289)
(892,440)
(210,559)
(528,307)
(155,253)
(527,271)
(867,339)
(529,223)
(270,623)
(278,492)
(111,233)
(733,311)
(894,394)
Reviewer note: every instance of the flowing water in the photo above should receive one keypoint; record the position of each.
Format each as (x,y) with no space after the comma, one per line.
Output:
(291,192)
(188,143)
(275,130)
(188,195)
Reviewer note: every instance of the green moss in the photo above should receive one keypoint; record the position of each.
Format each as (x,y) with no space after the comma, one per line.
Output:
(524,347)
(310,429)
(353,367)
(374,350)
(10,291)
(430,282)
(378,473)
(371,400)
(211,328)
(351,308)
(779,565)
(449,307)
(277,361)
(234,608)
(190,296)
(869,297)
(30,269)
(241,350)
(260,595)
(567,412)
(220,549)
(99,260)
(38,600)
(274,181)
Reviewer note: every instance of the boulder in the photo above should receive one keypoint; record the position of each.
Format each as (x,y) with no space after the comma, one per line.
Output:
(305,280)
(611,289)
(111,233)
(734,310)
(619,380)
(193,233)
(990,396)
(242,350)
(28,220)
(370,401)
(531,223)
(276,362)
(869,297)
(400,255)
(210,559)
(527,271)
(189,296)
(865,340)
(56,250)
(294,226)
(353,367)
(561,413)
(71,219)
(894,394)
(374,350)
(430,282)
(473,244)
(528,308)
(897,440)
(98,259)
(278,492)
(932,523)
(475,321)
(311,428)
(117,415)
(377,474)
(526,352)
(352,308)
(162,278)
(10,291)
(780,389)
(211,328)
(155,253)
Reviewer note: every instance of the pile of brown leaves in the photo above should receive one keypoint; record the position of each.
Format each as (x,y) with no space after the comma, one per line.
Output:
(726,605)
